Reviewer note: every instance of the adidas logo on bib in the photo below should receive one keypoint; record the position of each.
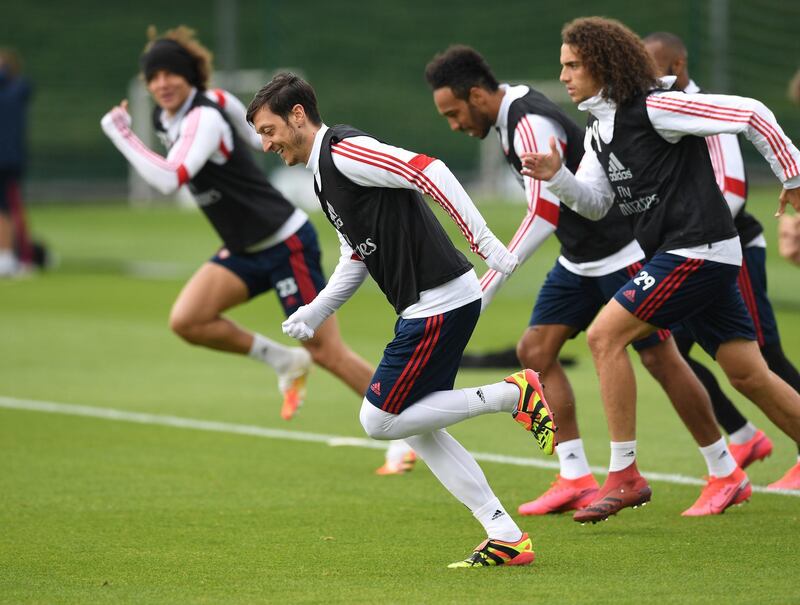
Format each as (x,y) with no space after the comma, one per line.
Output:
(616,170)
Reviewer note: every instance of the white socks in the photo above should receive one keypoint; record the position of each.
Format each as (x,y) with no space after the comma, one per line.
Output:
(457,470)
(274,354)
(497,397)
(497,523)
(572,459)
(8,263)
(719,461)
(397,452)
(623,454)
(744,434)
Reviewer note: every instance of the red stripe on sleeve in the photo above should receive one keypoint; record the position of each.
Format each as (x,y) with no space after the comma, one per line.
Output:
(547,210)
(183,175)
(735,186)
(225,151)
(421,162)
(220,97)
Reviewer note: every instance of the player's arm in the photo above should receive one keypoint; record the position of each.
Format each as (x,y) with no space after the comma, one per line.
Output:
(587,192)
(201,133)
(677,114)
(237,114)
(349,274)
(541,219)
(370,163)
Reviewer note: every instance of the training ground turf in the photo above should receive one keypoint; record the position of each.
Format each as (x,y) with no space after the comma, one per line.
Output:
(138,509)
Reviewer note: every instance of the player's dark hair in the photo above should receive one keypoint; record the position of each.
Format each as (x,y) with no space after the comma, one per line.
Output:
(460,68)
(668,40)
(613,55)
(281,94)
(179,51)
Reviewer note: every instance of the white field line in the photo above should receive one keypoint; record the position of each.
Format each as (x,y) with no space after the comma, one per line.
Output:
(331,440)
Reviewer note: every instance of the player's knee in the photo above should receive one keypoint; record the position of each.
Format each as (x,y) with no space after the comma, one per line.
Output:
(183,327)
(535,354)
(374,422)
(750,382)
(598,340)
(653,363)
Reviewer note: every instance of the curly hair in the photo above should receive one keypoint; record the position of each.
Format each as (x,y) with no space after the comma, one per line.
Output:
(185,36)
(460,68)
(613,55)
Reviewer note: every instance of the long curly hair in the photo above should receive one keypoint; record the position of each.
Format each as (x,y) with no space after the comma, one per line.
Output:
(613,55)
(186,37)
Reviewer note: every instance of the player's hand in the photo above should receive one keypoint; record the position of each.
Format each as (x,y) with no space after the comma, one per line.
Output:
(499,258)
(117,115)
(789,238)
(789,196)
(542,166)
(303,323)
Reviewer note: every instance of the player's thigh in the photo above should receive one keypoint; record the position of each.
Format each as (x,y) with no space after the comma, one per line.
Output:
(210,291)
(742,362)
(616,327)
(545,340)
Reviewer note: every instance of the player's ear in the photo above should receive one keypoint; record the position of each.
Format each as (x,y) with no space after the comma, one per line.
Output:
(298,115)
(478,96)
(678,65)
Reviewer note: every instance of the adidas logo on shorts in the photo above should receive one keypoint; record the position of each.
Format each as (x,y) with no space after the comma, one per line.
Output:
(630,295)
(375,387)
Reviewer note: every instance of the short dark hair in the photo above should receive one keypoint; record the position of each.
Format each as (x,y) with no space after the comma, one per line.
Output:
(669,40)
(460,68)
(612,54)
(283,92)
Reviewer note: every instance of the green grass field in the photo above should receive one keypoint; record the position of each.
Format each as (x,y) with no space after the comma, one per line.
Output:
(96,510)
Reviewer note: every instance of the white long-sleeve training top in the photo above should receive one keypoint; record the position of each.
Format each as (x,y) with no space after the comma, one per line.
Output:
(370,163)
(192,138)
(532,135)
(676,114)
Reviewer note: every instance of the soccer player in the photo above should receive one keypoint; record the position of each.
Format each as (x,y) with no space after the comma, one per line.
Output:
(267,243)
(748,444)
(371,194)
(597,257)
(645,155)
(16,250)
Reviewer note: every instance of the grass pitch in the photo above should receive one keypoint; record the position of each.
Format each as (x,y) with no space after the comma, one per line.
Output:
(94,510)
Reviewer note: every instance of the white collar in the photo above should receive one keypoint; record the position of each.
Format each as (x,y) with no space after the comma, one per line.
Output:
(313,158)
(599,106)
(691,87)
(666,82)
(510,94)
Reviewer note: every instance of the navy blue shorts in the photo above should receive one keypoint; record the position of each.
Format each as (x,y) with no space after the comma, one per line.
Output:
(574,300)
(753,286)
(423,358)
(701,295)
(292,268)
